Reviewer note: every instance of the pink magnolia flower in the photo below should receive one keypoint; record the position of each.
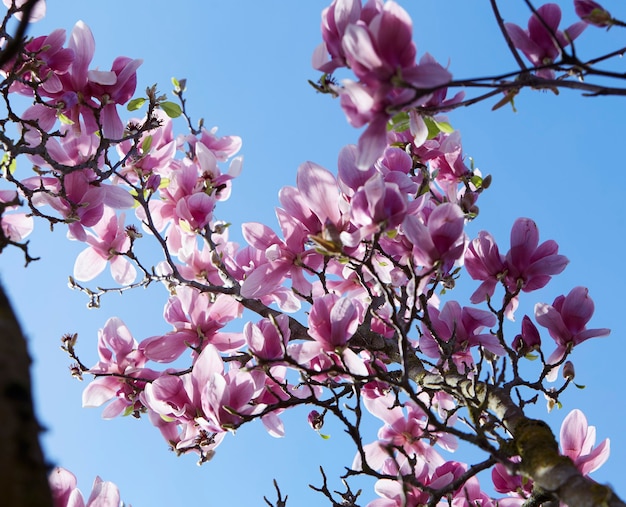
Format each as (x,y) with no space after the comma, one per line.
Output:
(377,206)
(333,321)
(566,320)
(375,41)
(118,354)
(405,428)
(107,245)
(505,482)
(527,266)
(38,12)
(530,264)
(395,493)
(197,321)
(225,396)
(84,92)
(268,339)
(15,226)
(335,20)
(483,261)
(66,494)
(470,495)
(45,59)
(542,41)
(441,239)
(463,328)
(577,442)
(155,150)
(529,339)
(80,199)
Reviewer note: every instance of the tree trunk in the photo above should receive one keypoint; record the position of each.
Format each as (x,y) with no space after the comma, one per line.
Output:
(23,472)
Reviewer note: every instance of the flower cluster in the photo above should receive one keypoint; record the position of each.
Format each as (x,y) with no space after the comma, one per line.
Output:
(376,42)
(368,251)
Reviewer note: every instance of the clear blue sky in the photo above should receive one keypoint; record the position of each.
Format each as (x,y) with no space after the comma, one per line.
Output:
(558,160)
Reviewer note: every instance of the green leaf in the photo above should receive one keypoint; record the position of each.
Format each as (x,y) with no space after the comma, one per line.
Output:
(531,357)
(435,127)
(444,126)
(180,85)
(400,122)
(325,437)
(171,109)
(129,410)
(147,143)
(135,104)
(580,386)
(11,166)
(476,180)
(64,119)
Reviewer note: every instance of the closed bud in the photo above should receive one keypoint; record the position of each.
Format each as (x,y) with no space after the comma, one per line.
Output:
(568,370)
(316,420)
(593,13)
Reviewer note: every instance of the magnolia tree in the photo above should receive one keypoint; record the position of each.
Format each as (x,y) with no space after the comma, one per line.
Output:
(346,308)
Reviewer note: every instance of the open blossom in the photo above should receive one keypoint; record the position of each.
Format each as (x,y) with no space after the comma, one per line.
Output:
(461,327)
(15,226)
(406,429)
(375,42)
(566,320)
(527,266)
(66,494)
(441,239)
(107,245)
(268,338)
(88,98)
(38,12)
(542,41)
(197,320)
(45,59)
(118,353)
(578,440)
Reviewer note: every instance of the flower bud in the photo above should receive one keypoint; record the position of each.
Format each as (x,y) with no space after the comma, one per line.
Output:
(568,370)
(316,420)
(593,13)
(529,339)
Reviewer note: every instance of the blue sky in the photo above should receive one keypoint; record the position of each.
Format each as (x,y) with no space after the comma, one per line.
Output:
(558,160)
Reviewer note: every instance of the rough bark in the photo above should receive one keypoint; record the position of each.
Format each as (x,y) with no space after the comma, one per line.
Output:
(537,446)
(23,471)
(534,441)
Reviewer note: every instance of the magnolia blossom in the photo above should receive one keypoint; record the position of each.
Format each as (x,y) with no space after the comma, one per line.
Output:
(578,440)
(107,245)
(566,320)
(440,240)
(37,13)
(542,42)
(527,266)
(375,42)
(66,494)
(15,226)
(119,355)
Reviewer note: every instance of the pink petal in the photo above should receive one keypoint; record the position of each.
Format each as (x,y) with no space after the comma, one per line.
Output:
(88,265)
(122,270)
(573,433)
